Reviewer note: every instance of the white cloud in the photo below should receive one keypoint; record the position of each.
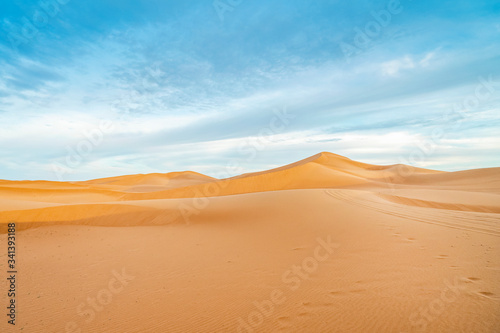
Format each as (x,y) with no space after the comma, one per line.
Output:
(393,67)
(396,66)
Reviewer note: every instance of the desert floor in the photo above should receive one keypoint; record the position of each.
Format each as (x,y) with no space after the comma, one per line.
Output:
(326,244)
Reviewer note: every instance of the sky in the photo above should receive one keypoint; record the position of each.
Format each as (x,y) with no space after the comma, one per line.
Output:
(92,89)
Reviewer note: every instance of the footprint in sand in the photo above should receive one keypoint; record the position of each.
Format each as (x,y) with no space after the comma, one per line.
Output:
(336,293)
(442,256)
(487,294)
(284,319)
(470,279)
(284,323)
(474,278)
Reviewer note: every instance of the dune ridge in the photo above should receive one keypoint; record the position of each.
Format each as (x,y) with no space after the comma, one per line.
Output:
(321,171)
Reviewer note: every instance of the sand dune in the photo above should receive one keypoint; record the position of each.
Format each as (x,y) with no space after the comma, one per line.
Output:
(150,182)
(326,244)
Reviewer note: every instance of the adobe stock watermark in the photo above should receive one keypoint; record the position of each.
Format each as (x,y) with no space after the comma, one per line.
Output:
(250,148)
(421,318)
(452,120)
(30,26)
(77,154)
(93,305)
(223,6)
(365,36)
(292,279)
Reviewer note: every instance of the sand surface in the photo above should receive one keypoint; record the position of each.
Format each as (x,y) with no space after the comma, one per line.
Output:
(326,244)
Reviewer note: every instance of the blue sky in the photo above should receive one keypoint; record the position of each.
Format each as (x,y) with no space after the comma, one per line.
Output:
(102,88)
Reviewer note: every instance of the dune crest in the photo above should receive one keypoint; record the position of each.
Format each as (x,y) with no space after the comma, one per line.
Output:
(41,200)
